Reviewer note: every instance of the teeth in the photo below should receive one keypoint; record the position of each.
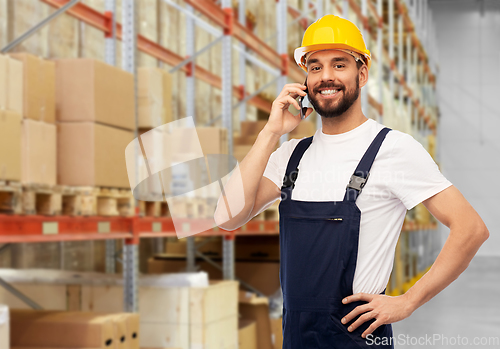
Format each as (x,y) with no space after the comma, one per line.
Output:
(329,92)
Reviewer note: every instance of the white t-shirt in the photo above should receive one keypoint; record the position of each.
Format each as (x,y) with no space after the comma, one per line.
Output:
(402,175)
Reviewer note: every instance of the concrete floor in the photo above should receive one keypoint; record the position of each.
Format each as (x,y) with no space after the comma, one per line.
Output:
(468,308)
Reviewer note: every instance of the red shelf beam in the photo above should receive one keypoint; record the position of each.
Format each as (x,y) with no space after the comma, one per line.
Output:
(101,21)
(17,228)
(243,34)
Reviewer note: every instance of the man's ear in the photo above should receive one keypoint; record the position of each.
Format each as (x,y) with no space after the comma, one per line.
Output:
(363,75)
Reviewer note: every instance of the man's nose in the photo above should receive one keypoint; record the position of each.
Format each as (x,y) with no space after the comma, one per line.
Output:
(328,74)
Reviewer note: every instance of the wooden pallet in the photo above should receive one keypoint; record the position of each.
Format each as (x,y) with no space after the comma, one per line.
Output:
(10,197)
(154,209)
(42,199)
(101,201)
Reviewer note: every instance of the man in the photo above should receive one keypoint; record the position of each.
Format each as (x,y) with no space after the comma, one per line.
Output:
(337,243)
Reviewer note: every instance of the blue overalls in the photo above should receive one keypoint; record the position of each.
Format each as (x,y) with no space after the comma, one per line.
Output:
(319,248)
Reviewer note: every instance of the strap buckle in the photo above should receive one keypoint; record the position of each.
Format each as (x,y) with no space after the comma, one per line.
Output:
(357,182)
(289,181)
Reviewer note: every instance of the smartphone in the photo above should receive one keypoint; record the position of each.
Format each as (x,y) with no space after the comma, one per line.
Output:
(304,105)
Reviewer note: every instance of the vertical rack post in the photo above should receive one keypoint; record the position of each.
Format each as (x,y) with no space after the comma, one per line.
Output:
(227,122)
(415,76)
(110,57)
(408,75)
(400,57)
(242,61)
(281,46)
(319,14)
(190,111)
(364,31)
(380,60)
(130,248)
(345,9)
(391,48)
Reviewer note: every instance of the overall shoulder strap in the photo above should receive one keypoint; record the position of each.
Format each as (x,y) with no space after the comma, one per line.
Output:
(360,176)
(292,170)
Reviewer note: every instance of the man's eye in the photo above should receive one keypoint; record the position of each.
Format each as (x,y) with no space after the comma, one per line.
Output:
(315,68)
(339,66)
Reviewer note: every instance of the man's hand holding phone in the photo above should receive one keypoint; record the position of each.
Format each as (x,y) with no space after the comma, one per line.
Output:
(281,121)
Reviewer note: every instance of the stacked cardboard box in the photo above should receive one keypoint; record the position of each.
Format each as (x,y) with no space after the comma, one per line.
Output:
(11,112)
(243,142)
(11,84)
(154,97)
(36,103)
(176,311)
(10,145)
(183,317)
(247,334)
(256,261)
(304,129)
(4,327)
(95,110)
(256,310)
(50,329)
(178,154)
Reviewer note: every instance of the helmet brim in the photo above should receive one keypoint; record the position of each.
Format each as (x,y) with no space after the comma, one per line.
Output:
(300,53)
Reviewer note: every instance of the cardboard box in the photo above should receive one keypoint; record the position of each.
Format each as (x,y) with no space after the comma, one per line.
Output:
(258,248)
(10,145)
(277,332)
(213,315)
(11,84)
(185,317)
(212,248)
(39,87)
(90,90)
(119,331)
(48,296)
(256,309)
(157,150)
(91,154)
(263,275)
(38,151)
(32,328)
(240,151)
(247,334)
(150,97)
(247,248)
(252,128)
(303,129)
(213,140)
(4,327)
(133,334)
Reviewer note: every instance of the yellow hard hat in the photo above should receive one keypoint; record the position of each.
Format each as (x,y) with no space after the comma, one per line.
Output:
(332,32)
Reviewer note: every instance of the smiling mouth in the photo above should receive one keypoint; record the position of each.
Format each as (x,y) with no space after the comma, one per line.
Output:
(330,93)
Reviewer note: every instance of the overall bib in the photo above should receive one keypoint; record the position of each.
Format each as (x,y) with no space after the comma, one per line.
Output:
(319,248)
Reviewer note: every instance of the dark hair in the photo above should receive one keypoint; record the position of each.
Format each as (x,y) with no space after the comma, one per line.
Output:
(359,64)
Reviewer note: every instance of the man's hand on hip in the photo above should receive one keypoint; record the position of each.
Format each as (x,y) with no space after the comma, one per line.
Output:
(385,309)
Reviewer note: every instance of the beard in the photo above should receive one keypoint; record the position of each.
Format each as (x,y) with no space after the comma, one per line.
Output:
(332,109)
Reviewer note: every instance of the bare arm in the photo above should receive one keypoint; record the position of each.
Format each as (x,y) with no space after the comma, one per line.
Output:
(467,233)
(247,192)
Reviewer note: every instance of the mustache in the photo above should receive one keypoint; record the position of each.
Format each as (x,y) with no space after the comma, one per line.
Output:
(328,85)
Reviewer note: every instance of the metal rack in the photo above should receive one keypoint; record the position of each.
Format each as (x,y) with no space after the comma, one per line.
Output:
(17,229)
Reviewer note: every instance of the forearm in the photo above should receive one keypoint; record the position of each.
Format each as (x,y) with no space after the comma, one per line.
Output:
(459,249)
(248,174)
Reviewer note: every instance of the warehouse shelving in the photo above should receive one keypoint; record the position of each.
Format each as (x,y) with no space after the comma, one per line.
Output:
(36,228)
(15,229)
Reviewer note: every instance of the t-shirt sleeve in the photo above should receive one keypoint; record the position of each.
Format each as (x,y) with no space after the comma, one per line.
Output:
(276,166)
(416,174)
